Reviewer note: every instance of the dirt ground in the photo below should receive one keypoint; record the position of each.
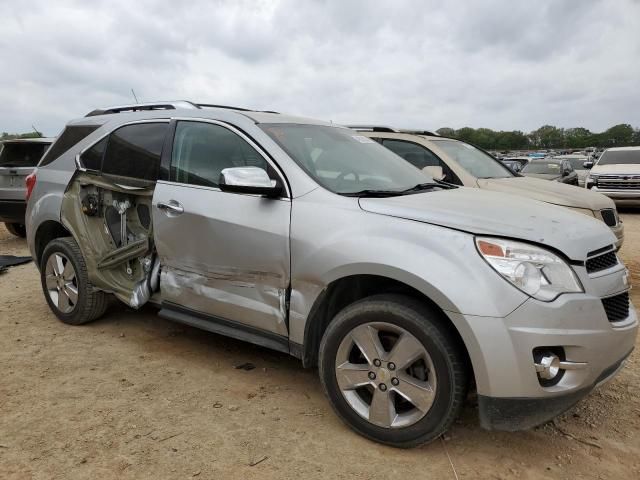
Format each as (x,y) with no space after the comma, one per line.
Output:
(133,396)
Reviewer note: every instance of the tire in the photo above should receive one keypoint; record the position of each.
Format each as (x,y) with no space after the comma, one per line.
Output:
(17,229)
(443,369)
(89,303)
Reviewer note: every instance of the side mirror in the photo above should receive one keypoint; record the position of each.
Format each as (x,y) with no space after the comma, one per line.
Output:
(249,180)
(588,164)
(434,171)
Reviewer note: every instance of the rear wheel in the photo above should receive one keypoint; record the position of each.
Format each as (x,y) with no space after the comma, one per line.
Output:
(17,229)
(66,285)
(391,370)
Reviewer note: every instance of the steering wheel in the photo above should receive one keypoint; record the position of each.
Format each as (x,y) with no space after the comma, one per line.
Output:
(342,177)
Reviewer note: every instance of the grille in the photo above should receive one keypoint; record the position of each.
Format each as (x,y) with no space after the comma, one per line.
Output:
(602,262)
(616,307)
(609,217)
(619,182)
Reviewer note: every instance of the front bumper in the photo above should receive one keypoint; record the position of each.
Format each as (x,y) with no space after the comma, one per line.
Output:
(501,351)
(12,211)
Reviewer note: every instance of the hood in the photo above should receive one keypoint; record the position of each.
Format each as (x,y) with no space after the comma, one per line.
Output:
(550,192)
(489,213)
(617,168)
(543,176)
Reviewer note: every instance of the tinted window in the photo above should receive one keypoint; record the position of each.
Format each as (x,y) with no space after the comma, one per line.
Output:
(92,158)
(202,150)
(21,154)
(134,151)
(474,161)
(414,154)
(67,139)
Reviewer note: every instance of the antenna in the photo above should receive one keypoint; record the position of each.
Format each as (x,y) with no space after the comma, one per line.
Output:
(134,96)
(36,131)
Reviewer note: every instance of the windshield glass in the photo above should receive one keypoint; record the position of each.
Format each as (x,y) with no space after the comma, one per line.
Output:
(342,161)
(542,167)
(624,157)
(21,154)
(474,161)
(577,162)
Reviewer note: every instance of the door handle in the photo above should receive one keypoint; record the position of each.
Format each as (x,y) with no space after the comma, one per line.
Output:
(171,207)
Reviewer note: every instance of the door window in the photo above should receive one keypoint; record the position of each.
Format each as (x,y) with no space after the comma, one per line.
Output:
(202,150)
(92,158)
(414,154)
(134,151)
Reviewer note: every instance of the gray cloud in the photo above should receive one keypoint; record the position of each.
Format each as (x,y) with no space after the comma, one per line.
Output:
(498,64)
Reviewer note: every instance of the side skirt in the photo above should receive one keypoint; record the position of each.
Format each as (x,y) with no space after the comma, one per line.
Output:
(224,327)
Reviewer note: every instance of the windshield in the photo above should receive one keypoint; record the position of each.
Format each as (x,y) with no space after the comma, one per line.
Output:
(620,157)
(542,167)
(21,154)
(577,163)
(342,161)
(474,161)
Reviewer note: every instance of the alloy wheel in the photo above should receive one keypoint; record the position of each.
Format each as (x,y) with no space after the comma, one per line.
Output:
(61,282)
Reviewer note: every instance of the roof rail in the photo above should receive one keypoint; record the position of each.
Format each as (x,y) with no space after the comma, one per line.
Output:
(137,107)
(421,132)
(372,128)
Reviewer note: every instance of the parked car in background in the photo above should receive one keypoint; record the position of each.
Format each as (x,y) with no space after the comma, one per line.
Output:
(578,164)
(514,165)
(556,170)
(616,174)
(18,158)
(314,240)
(460,163)
(522,160)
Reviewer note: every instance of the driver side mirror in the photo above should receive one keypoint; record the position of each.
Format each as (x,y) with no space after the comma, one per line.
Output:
(588,164)
(434,171)
(249,180)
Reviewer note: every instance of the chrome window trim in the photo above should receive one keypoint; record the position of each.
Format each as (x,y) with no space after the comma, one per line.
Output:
(241,134)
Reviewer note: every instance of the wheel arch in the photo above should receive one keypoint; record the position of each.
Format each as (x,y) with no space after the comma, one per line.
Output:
(46,232)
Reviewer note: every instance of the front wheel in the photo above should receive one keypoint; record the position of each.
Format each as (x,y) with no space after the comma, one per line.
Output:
(17,229)
(392,371)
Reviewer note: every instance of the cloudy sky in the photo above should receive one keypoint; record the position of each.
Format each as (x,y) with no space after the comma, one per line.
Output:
(500,64)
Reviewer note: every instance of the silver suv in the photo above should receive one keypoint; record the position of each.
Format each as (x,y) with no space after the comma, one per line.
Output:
(616,174)
(311,239)
(18,158)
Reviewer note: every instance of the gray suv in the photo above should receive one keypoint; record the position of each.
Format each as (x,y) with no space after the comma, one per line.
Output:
(311,239)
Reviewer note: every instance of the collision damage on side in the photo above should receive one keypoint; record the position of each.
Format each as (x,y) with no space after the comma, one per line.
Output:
(311,239)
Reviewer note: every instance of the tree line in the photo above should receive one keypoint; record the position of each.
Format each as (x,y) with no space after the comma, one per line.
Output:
(546,137)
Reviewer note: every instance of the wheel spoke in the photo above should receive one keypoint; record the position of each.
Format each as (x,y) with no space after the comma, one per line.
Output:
(406,351)
(58,264)
(419,393)
(63,301)
(71,290)
(351,376)
(51,282)
(382,411)
(68,273)
(366,339)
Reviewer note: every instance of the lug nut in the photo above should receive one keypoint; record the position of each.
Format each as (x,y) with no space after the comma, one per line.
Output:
(372,375)
(383,387)
(395,381)
(377,362)
(392,366)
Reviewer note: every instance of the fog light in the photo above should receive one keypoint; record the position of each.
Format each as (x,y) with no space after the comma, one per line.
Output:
(549,367)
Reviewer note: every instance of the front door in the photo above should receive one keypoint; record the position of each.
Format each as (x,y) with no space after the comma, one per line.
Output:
(222,254)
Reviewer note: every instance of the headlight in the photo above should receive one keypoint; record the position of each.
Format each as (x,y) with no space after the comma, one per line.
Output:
(534,270)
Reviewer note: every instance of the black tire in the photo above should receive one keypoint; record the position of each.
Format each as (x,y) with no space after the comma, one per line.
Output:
(17,229)
(445,351)
(91,303)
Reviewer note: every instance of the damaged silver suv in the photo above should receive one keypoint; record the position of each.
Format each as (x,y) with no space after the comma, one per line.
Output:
(314,240)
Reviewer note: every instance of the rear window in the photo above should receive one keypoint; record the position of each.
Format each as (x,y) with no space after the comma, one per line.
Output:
(67,139)
(22,154)
(134,151)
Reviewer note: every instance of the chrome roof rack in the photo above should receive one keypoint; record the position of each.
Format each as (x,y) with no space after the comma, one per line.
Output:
(372,128)
(420,132)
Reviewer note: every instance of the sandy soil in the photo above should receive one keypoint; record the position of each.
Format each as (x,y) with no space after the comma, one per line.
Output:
(133,396)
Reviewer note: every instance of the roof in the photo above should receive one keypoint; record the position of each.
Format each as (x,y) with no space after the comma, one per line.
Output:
(622,149)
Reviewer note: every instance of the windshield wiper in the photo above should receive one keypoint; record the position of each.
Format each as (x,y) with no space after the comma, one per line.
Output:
(374,193)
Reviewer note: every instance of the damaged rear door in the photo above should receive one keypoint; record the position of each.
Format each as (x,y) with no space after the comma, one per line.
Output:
(224,255)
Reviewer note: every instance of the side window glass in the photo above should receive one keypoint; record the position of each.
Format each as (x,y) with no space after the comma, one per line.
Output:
(416,155)
(202,150)
(92,158)
(134,151)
